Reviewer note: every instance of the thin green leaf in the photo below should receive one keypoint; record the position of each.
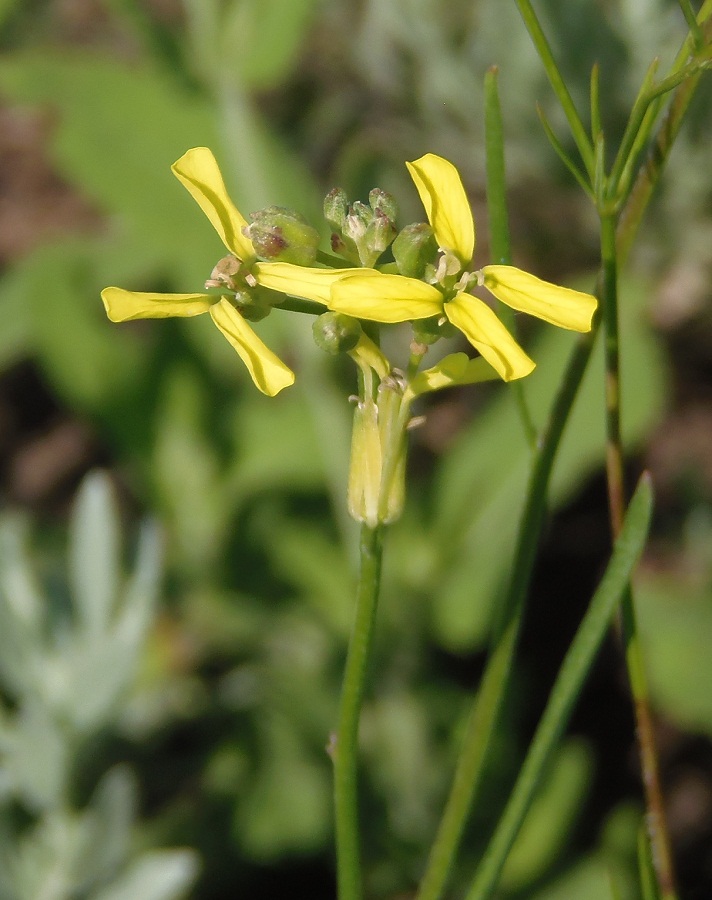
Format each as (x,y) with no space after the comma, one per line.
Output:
(563,155)
(578,132)
(596,127)
(696,34)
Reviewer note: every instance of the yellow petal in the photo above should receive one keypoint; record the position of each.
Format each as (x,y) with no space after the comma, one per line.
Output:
(453,369)
(122,306)
(268,372)
(559,305)
(486,333)
(300,281)
(367,294)
(445,201)
(198,171)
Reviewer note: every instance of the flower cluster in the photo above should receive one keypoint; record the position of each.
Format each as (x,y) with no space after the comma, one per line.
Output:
(429,283)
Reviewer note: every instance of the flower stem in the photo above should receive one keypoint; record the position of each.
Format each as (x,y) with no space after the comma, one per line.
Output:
(345,749)
(657,828)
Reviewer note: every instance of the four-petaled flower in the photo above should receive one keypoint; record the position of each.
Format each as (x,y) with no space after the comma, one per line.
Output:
(380,297)
(198,171)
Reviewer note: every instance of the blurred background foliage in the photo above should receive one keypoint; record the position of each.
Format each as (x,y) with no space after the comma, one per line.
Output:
(207,730)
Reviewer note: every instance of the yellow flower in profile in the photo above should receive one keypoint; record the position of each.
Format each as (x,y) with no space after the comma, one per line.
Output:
(369,294)
(198,172)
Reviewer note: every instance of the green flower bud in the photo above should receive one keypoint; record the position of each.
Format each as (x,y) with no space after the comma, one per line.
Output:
(281,234)
(248,305)
(336,205)
(415,248)
(358,218)
(383,202)
(379,234)
(428,331)
(336,333)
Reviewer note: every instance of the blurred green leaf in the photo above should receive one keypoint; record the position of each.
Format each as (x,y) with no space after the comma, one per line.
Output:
(265,37)
(550,821)
(676,625)
(36,757)
(94,555)
(156,875)
(287,808)
(120,127)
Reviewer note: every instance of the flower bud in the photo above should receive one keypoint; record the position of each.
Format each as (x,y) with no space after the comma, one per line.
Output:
(383,202)
(428,331)
(336,333)
(379,233)
(414,248)
(249,306)
(282,234)
(357,220)
(335,207)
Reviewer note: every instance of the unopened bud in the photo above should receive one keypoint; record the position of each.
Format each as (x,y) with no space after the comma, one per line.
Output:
(335,207)
(336,333)
(282,234)
(428,331)
(383,202)
(379,233)
(249,306)
(357,221)
(414,248)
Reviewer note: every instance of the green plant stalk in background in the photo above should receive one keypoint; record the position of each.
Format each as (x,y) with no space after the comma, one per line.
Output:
(488,701)
(610,195)
(344,751)
(656,823)
(500,245)
(572,674)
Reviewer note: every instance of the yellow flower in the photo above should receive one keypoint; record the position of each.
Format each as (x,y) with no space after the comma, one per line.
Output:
(198,172)
(368,294)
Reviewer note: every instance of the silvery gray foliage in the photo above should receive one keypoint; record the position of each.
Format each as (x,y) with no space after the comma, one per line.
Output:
(68,657)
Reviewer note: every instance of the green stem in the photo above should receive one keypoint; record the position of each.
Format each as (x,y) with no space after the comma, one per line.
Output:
(298,304)
(500,245)
(657,828)
(489,699)
(692,24)
(569,681)
(345,748)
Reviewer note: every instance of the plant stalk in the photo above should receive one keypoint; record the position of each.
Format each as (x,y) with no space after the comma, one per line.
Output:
(656,822)
(344,749)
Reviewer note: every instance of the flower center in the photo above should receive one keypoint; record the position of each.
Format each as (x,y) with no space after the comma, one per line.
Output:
(449,276)
(232,274)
